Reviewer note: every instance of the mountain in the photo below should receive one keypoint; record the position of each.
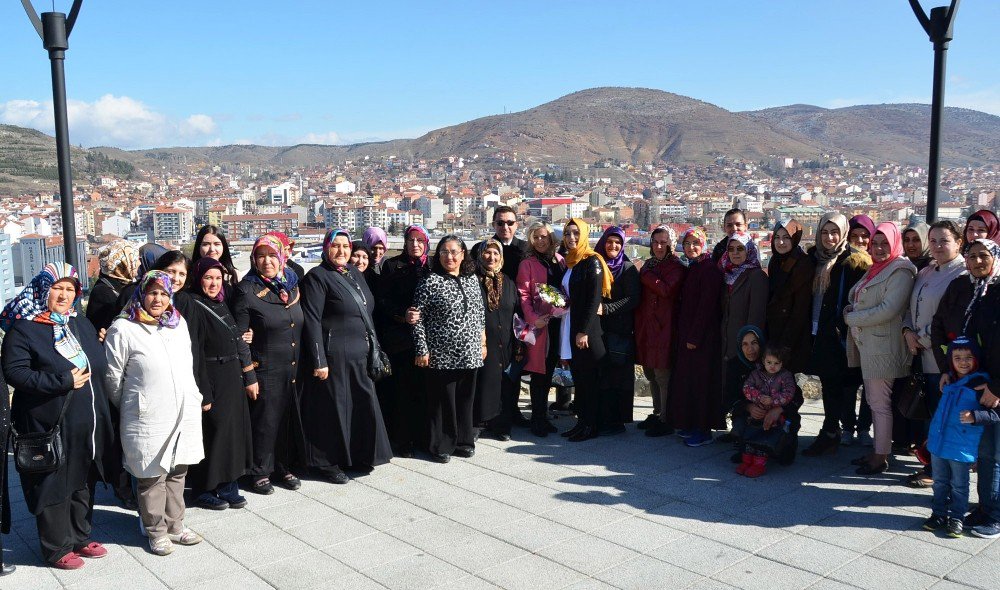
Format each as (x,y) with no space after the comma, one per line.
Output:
(627,124)
(892,132)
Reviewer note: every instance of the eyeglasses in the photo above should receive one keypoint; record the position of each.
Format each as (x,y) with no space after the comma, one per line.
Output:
(501,222)
(452,253)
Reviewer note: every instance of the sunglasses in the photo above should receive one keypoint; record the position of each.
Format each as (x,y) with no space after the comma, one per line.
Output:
(507,223)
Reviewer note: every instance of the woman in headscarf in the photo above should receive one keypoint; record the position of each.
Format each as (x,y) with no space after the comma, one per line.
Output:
(341,419)
(982,224)
(495,401)
(838,267)
(661,278)
(377,242)
(588,282)
(749,357)
(148,255)
(286,250)
(875,343)
(744,301)
(916,245)
(790,274)
(971,307)
(946,265)
(149,379)
(52,358)
(211,242)
(267,301)
(360,257)
(231,380)
(403,393)
(450,342)
(541,266)
(860,231)
(695,401)
(618,325)
(119,262)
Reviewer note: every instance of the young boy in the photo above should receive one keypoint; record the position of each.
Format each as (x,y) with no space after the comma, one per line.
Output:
(953,440)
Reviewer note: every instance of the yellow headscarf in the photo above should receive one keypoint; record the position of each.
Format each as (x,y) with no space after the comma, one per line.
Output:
(584,251)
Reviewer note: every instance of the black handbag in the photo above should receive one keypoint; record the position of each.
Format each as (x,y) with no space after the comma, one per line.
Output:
(40,452)
(378,361)
(910,393)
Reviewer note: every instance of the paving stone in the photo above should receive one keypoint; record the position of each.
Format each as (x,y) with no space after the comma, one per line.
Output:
(371,551)
(949,585)
(530,572)
(296,513)
(808,554)
(758,573)
(919,555)
(486,515)
(699,555)
(475,552)
(588,555)
(585,517)
(244,580)
(309,570)
(137,579)
(432,532)
(416,572)
(638,534)
(534,533)
(979,572)
(389,515)
(329,531)
(875,574)
(469,583)
(644,572)
(263,549)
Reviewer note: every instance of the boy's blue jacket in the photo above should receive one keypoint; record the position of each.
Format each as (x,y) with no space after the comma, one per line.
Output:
(948,437)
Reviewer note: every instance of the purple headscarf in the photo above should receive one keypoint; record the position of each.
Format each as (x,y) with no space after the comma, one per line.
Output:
(375,235)
(862,221)
(616,264)
(198,271)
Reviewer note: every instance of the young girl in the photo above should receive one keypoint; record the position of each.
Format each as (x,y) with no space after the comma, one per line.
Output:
(768,390)
(953,440)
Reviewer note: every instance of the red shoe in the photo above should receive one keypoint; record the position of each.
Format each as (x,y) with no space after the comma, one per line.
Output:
(70,561)
(758,468)
(747,461)
(92,550)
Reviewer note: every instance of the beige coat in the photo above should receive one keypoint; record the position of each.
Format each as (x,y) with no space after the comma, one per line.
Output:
(150,379)
(875,318)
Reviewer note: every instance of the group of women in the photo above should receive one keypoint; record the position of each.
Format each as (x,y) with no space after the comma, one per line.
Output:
(185,375)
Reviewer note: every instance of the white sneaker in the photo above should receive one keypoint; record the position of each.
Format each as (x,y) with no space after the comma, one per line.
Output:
(865,439)
(186,537)
(162,546)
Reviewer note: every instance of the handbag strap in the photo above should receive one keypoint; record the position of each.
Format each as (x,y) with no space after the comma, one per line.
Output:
(214,315)
(357,299)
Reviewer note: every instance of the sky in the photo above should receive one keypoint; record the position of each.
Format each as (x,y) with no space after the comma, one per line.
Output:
(179,72)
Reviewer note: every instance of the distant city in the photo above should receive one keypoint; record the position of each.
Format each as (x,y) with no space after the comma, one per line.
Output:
(457,194)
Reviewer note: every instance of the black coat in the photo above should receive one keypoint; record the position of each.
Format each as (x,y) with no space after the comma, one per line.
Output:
(585,286)
(396,285)
(789,307)
(198,327)
(296,268)
(983,326)
(41,379)
(829,353)
(226,426)
(513,254)
(619,310)
(499,350)
(618,325)
(102,306)
(341,418)
(4,433)
(277,333)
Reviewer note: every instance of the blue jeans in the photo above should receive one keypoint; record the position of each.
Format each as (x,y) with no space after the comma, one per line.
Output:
(989,472)
(951,487)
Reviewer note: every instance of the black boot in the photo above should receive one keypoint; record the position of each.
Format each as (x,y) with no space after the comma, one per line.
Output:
(564,397)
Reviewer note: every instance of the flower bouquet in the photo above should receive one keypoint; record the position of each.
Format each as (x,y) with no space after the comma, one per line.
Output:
(555,298)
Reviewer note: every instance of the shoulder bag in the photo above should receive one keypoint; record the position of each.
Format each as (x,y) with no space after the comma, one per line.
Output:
(38,453)
(378,360)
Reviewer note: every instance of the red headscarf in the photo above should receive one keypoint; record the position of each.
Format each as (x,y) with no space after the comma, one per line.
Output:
(891,232)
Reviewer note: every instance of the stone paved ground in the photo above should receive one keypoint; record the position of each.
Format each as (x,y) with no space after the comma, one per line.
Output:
(619,512)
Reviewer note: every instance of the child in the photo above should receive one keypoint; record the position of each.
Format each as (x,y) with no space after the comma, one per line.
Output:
(953,440)
(769,389)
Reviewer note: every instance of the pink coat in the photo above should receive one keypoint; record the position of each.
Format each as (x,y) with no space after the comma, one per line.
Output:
(530,274)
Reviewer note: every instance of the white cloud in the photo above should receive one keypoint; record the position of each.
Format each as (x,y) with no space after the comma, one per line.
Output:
(118,121)
(329,138)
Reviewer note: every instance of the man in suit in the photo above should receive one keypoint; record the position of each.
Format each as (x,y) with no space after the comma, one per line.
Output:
(505,226)
(734,221)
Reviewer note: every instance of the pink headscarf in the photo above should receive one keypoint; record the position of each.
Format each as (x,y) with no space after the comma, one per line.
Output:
(891,232)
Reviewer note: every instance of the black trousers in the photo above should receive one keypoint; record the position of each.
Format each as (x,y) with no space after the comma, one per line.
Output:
(271,419)
(403,400)
(509,394)
(450,397)
(839,398)
(594,404)
(65,526)
(540,384)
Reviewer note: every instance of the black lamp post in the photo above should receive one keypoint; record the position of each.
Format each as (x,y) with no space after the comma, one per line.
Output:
(938,27)
(54,29)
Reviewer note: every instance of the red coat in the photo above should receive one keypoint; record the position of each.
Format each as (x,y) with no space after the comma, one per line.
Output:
(530,274)
(654,319)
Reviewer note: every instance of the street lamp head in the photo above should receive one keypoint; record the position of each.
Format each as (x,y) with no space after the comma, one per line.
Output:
(54,27)
(938,25)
